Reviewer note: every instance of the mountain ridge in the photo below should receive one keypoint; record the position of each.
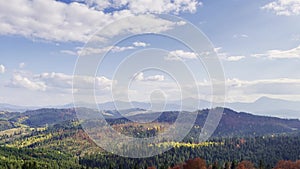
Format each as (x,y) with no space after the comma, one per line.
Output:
(232,123)
(262,106)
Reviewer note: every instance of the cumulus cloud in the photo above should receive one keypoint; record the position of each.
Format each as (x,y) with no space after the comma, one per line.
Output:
(155,78)
(20,81)
(234,58)
(235,88)
(76,21)
(159,6)
(97,4)
(140,77)
(2,69)
(121,49)
(90,51)
(180,55)
(147,23)
(293,53)
(50,20)
(146,6)
(58,82)
(284,7)
(140,44)
(227,56)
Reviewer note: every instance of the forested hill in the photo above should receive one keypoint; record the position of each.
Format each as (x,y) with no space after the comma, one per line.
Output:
(235,123)
(53,138)
(231,124)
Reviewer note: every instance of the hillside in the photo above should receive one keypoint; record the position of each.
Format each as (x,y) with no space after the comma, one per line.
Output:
(53,138)
(66,145)
(235,123)
(231,124)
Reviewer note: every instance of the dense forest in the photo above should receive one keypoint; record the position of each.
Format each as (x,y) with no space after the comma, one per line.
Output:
(259,152)
(266,151)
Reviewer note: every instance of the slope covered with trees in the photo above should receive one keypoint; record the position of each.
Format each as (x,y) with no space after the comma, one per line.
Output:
(53,138)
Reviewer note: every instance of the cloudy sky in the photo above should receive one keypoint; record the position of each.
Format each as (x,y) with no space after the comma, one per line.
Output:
(257,41)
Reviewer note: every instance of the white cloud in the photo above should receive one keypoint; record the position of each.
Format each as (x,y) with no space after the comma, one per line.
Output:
(293,53)
(280,86)
(58,82)
(23,82)
(21,65)
(240,36)
(159,6)
(155,78)
(2,69)
(97,4)
(69,52)
(121,49)
(180,55)
(50,20)
(89,51)
(138,24)
(236,89)
(140,44)
(217,49)
(228,57)
(146,6)
(57,21)
(284,7)
(180,23)
(234,58)
(140,77)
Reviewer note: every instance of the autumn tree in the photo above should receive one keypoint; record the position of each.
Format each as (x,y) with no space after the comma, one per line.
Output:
(151,168)
(245,165)
(196,163)
(176,167)
(287,165)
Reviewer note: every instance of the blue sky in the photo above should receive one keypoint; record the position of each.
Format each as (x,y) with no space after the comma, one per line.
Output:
(258,43)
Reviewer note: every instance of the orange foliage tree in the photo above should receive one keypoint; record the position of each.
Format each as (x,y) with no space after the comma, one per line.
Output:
(287,165)
(196,163)
(245,165)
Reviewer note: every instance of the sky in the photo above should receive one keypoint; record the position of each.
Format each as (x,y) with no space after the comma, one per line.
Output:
(257,42)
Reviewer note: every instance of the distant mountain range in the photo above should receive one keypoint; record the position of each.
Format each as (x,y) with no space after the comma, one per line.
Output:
(263,106)
(16,108)
(270,107)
